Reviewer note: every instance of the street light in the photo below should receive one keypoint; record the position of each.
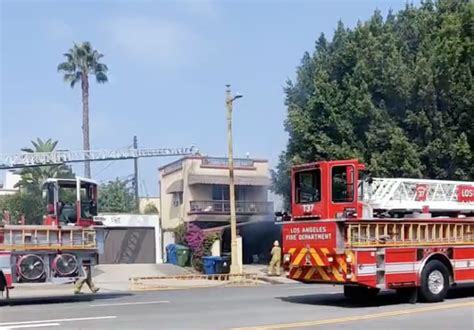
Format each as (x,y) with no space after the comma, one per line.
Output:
(235,265)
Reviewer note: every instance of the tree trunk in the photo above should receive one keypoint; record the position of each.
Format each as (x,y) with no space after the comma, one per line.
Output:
(85,122)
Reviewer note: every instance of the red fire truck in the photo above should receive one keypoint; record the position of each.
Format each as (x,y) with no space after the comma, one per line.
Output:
(55,251)
(411,235)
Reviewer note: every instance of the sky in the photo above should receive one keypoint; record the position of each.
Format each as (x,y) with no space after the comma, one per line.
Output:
(169,62)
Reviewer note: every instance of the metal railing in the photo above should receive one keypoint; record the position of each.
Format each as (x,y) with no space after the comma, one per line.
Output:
(223,207)
(222,161)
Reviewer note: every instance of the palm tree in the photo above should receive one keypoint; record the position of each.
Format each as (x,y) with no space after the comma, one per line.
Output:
(81,62)
(32,178)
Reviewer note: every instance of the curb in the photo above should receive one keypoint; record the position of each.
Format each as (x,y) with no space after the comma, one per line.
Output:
(269,280)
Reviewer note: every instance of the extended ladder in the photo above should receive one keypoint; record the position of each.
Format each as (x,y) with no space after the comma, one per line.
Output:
(60,157)
(409,233)
(414,194)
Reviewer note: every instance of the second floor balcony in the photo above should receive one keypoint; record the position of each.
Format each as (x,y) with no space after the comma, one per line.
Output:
(223,207)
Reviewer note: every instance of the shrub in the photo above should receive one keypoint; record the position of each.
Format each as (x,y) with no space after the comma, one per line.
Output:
(180,234)
(151,208)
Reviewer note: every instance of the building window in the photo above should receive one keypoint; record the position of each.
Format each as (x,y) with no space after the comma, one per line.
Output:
(221,193)
(177,199)
(308,186)
(342,184)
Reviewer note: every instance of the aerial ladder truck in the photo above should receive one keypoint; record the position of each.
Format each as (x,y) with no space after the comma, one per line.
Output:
(69,237)
(414,236)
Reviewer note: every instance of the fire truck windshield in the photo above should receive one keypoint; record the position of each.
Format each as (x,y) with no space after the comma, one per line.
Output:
(308,186)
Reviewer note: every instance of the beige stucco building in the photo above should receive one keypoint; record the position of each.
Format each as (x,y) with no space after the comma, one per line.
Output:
(196,188)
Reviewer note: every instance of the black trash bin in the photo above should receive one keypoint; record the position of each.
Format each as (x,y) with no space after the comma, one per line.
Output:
(223,265)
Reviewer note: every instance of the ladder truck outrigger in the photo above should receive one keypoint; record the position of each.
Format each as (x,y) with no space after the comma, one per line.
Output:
(414,236)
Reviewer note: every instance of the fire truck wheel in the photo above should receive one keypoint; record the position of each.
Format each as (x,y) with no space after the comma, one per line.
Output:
(434,281)
(359,292)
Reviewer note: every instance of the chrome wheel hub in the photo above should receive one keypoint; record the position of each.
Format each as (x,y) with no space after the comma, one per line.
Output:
(435,282)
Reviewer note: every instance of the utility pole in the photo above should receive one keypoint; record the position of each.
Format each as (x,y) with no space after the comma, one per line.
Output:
(234,266)
(135,180)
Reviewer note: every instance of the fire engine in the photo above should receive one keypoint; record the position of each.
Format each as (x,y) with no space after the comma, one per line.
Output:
(414,236)
(56,250)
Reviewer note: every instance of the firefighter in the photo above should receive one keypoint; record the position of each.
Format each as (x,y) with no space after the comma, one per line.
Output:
(87,269)
(275,262)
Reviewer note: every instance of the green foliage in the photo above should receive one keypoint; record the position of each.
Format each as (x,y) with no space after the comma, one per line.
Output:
(205,250)
(180,234)
(395,93)
(30,205)
(32,178)
(116,196)
(81,61)
(209,240)
(151,208)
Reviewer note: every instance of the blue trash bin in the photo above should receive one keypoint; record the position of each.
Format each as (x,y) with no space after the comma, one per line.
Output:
(171,256)
(209,264)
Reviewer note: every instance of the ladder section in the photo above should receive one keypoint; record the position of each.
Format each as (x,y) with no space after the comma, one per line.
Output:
(66,156)
(35,238)
(412,194)
(373,234)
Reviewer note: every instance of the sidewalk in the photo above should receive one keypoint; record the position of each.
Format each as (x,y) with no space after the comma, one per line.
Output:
(262,271)
(115,280)
(117,277)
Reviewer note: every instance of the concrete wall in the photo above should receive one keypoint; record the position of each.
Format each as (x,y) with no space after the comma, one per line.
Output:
(171,213)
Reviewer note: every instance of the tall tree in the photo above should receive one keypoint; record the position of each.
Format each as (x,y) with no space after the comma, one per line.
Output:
(116,196)
(396,93)
(82,61)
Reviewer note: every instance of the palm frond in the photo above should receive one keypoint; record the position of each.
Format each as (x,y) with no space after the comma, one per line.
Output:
(82,59)
(87,47)
(53,145)
(37,145)
(69,76)
(69,56)
(100,67)
(76,77)
(67,67)
(101,77)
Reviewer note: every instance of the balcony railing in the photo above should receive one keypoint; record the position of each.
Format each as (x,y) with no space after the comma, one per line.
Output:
(223,207)
(224,162)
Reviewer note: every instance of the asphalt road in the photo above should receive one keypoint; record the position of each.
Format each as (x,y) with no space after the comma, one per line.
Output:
(266,307)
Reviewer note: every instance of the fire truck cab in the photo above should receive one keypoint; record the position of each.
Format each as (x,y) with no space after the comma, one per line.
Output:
(70,201)
(326,190)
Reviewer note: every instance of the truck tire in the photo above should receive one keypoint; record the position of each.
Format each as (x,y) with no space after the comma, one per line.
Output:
(434,282)
(359,292)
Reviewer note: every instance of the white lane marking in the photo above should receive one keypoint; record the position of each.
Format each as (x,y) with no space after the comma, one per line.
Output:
(39,325)
(132,303)
(59,320)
